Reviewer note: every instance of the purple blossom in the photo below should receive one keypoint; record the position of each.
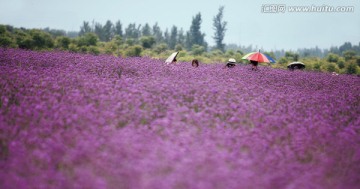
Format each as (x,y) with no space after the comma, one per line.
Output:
(81,121)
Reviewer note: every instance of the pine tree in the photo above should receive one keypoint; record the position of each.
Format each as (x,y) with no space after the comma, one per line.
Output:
(181,38)
(167,37)
(173,37)
(99,31)
(220,28)
(157,33)
(146,30)
(85,28)
(118,29)
(108,31)
(195,36)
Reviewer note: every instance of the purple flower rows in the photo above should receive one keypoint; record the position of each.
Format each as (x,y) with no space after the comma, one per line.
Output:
(81,121)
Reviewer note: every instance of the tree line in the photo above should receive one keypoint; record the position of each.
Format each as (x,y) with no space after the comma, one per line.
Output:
(145,40)
(147,36)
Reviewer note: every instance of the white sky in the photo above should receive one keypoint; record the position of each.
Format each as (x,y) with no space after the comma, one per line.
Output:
(246,23)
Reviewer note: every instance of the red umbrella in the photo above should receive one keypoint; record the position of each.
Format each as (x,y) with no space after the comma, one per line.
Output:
(258,57)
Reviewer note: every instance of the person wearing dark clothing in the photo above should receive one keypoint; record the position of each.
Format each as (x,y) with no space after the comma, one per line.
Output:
(254,64)
(231,63)
(195,63)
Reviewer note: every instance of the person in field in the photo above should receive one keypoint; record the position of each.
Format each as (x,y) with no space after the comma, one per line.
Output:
(231,63)
(254,65)
(195,63)
(172,58)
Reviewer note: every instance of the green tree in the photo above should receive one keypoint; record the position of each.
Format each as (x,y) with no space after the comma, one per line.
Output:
(331,57)
(6,39)
(118,29)
(133,31)
(289,54)
(41,40)
(230,53)
(292,56)
(357,58)
(73,47)
(317,65)
(181,38)
(188,41)
(283,60)
(195,37)
(334,50)
(54,32)
(220,28)
(93,50)
(3,29)
(173,37)
(330,67)
(179,47)
(23,39)
(217,52)
(167,37)
(62,42)
(99,31)
(147,41)
(157,33)
(134,50)
(72,34)
(85,28)
(111,47)
(341,63)
(108,31)
(296,57)
(10,29)
(345,47)
(349,54)
(197,49)
(118,40)
(89,39)
(161,47)
(351,68)
(130,41)
(146,30)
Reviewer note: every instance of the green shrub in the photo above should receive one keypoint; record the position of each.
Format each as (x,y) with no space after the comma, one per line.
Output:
(73,47)
(351,68)
(62,42)
(7,41)
(41,40)
(110,47)
(134,50)
(179,47)
(341,63)
(83,49)
(329,67)
(89,39)
(93,50)
(197,49)
(147,41)
(331,57)
(159,48)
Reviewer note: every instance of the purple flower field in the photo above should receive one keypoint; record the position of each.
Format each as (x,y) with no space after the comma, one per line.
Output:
(81,121)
